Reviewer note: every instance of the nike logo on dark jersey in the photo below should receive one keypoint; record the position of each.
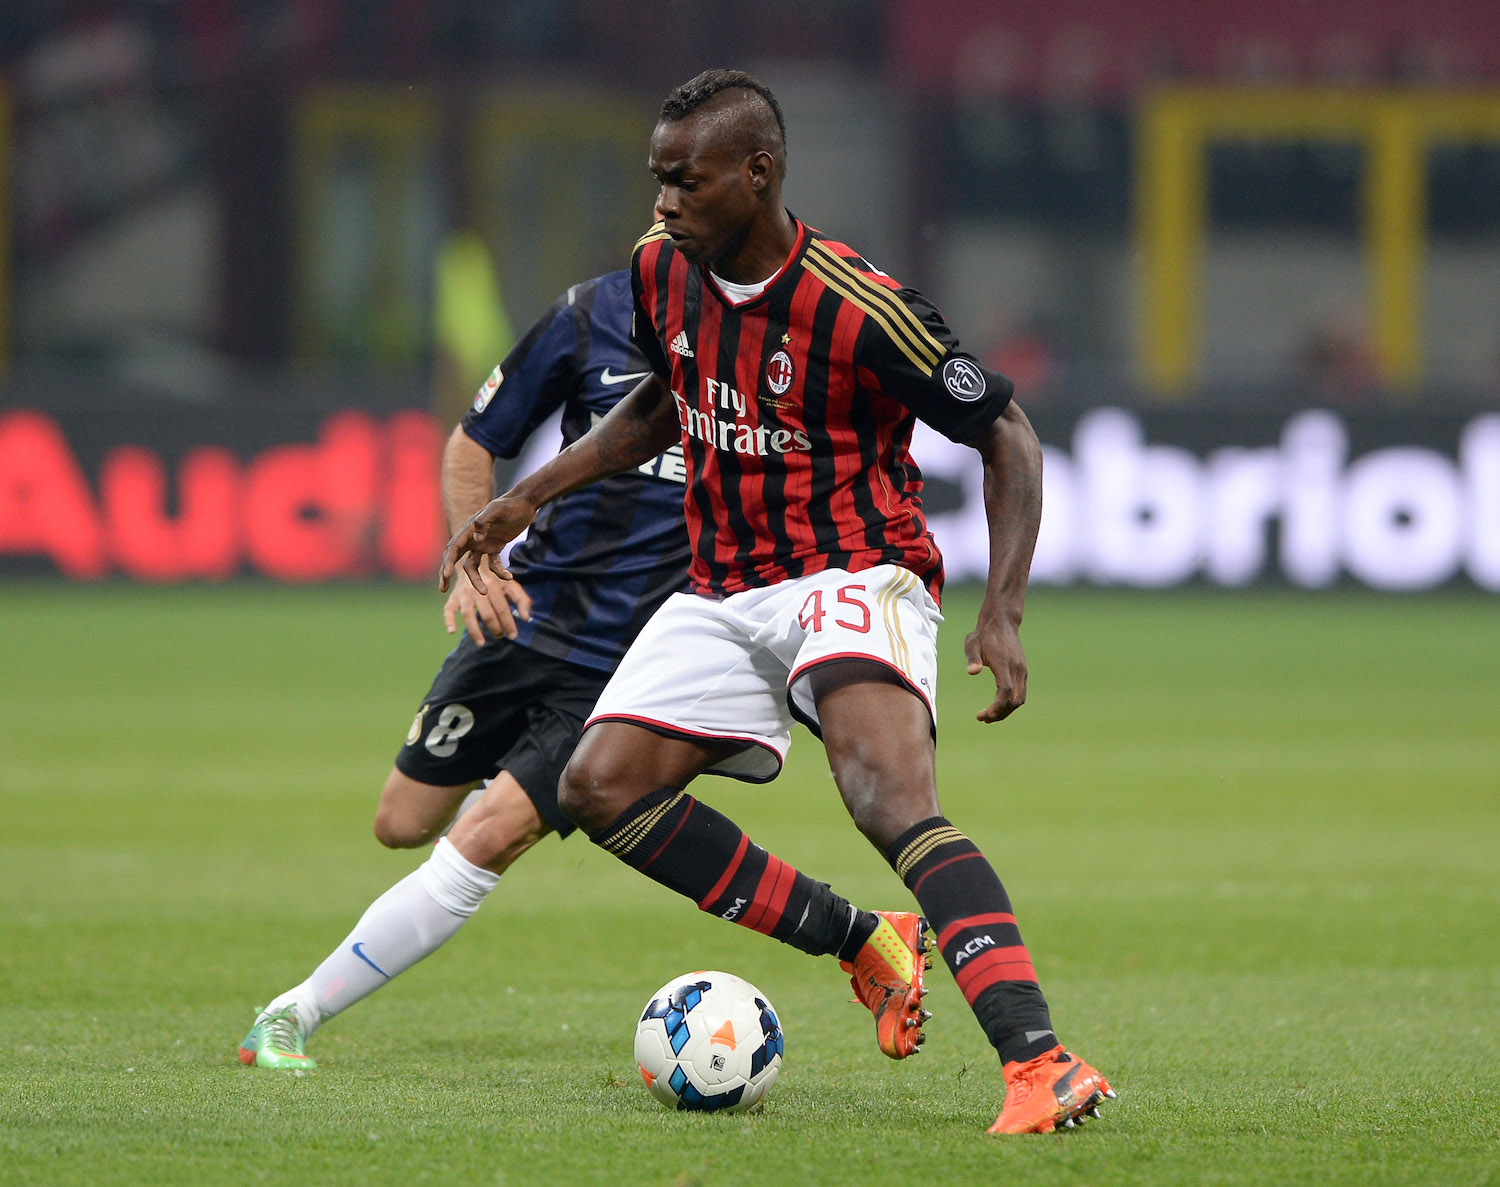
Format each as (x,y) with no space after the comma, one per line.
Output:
(610,378)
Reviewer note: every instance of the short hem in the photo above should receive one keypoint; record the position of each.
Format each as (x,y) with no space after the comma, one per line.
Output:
(423,777)
(548,809)
(901,678)
(668,730)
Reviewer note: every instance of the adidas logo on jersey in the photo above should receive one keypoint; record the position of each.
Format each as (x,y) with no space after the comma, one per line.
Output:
(680,345)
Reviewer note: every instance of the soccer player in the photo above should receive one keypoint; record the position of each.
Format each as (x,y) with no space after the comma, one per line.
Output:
(790,370)
(510,701)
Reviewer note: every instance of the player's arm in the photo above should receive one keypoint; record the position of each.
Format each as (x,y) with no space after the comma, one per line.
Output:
(1012,458)
(633,432)
(468,477)
(536,378)
(468,483)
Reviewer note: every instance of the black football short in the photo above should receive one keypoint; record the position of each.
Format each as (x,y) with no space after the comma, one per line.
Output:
(502,707)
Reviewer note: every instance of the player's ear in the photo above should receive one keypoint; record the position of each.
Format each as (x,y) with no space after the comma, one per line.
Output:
(761,167)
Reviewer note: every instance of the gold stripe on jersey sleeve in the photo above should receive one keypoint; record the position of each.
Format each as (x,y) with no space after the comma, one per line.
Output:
(921,336)
(917,333)
(838,285)
(919,849)
(908,322)
(659,231)
(895,589)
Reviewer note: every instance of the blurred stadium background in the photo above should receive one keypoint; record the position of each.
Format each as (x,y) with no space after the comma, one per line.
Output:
(1244,264)
(1243,261)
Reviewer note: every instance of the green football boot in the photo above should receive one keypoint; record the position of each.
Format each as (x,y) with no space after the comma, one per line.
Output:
(276,1041)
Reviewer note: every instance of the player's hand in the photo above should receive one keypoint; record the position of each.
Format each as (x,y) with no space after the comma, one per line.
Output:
(496,609)
(995,644)
(486,533)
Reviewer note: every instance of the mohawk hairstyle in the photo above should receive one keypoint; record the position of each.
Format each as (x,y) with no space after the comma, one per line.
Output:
(693,94)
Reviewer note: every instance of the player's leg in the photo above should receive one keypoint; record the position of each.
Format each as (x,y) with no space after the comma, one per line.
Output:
(410,921)
(879,741)
(409,811)
(862,652)
(527,708)
(625,787)
(425,909)
(880,749)
(864,678)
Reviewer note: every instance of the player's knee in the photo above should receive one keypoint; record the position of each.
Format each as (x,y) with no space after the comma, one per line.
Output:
(411,814)
(387,833)
(579,795)
(589,792)
(399,830)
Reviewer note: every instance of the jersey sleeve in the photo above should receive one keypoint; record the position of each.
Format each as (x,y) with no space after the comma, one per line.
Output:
(642,328)
(916,360)
(535,379)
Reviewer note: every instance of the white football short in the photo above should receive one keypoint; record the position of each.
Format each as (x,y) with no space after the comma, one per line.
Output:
(736,670)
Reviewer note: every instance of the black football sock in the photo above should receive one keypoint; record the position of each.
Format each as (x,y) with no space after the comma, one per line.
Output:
(688,847)
(976,930)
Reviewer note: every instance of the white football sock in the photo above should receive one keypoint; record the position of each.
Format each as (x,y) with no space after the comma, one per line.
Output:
(412,919)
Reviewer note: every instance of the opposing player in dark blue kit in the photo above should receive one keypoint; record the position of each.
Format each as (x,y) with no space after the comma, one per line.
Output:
(510,701)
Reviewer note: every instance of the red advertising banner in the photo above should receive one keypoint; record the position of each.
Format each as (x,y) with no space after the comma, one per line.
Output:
(1392,500)
(361,499)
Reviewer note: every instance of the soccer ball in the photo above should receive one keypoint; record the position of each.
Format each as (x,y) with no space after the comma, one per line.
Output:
(708,1041)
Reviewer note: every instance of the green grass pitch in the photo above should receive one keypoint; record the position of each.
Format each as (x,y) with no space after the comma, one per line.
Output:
(1253,841)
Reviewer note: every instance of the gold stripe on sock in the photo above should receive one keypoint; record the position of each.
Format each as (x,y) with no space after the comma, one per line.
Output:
(628,836)
(922,846)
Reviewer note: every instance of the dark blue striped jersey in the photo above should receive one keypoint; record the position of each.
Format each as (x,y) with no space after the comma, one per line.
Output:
(599,561)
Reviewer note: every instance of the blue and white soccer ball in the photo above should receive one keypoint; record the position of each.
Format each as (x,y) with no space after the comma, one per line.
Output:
(709,1041)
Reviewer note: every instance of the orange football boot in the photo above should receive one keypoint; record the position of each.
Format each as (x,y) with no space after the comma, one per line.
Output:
(887,977)
(1054,1089)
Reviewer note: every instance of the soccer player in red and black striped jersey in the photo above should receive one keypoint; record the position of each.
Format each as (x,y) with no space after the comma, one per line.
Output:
(791,370)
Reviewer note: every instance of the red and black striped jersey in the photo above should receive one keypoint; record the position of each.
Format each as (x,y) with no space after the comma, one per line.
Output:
(797,409)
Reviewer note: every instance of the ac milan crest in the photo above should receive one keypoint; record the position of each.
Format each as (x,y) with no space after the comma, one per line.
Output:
(779,372)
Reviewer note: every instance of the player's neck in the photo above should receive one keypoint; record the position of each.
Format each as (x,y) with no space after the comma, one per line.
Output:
(767,244)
